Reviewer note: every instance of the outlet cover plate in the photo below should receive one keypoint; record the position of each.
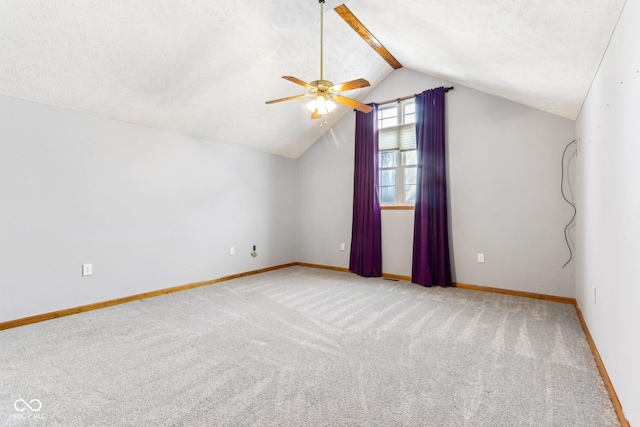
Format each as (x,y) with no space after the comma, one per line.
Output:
(87,269)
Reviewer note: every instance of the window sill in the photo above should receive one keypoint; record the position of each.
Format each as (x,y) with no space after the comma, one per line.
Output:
(397,207)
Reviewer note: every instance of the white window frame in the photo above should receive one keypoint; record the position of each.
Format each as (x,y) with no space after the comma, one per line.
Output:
(400,168)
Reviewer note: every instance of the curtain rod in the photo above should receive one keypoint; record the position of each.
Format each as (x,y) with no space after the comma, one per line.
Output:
(446,89)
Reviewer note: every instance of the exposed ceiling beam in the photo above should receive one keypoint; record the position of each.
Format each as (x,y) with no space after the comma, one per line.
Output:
(355,23)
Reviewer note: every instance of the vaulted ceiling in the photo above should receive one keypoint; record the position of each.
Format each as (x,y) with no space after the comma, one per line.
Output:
(206,68)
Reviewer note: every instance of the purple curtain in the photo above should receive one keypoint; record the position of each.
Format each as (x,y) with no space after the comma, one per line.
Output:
(431,264)
(366,243)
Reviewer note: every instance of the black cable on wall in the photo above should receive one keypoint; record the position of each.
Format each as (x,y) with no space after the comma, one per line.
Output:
(575,211)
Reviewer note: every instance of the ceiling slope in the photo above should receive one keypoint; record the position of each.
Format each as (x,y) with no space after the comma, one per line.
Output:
(201,68)
(541,53)
(206,68)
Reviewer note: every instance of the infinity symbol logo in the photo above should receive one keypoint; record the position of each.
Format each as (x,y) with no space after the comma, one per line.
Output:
(21,405)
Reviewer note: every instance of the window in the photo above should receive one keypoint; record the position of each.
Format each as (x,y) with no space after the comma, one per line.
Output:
(397,155)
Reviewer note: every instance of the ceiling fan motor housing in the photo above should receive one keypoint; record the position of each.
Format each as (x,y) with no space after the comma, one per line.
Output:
(321,86)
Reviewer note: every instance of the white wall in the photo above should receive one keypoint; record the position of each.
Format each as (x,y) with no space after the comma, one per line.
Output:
(325,197)
(504,169)
(608,238)
(149,209)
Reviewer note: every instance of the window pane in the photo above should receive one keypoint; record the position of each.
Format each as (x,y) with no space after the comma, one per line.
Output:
(410,175)
(388,159)
(409,193)
(391,121)
(387,117)
(410,112)
(410,157)
(387,178)
(388,112)
(388,194)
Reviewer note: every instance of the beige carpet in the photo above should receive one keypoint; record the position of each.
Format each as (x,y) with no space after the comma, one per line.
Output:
(307,347)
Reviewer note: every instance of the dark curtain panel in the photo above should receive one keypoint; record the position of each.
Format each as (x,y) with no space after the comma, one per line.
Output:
(431,264)
(366,244)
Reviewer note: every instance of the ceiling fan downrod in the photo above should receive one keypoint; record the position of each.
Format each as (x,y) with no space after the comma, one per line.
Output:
(323,91)
(321,38)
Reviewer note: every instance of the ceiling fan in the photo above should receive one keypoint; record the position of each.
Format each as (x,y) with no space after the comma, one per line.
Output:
(324,92)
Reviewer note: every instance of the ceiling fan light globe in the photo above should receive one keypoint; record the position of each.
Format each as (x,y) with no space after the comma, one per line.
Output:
(322,105)
(311,106)
(330,106)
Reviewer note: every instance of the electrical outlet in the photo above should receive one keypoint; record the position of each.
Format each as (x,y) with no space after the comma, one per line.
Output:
(342,246)
(87,269)
(481,258)
(232,250)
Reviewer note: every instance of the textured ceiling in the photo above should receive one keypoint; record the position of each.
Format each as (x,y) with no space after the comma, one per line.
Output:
(205,68)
